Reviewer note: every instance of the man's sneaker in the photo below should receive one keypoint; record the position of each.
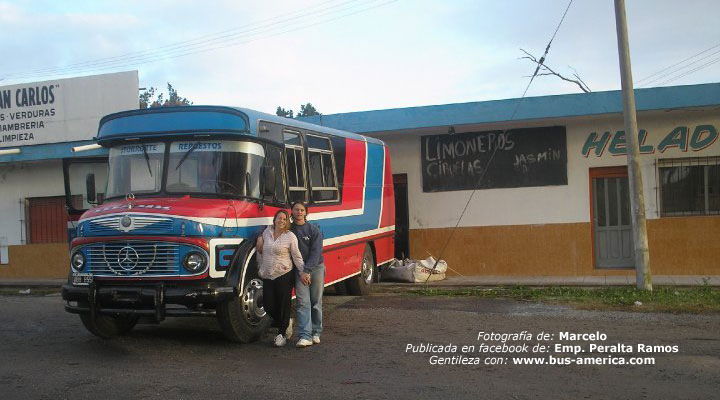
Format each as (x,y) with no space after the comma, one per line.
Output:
(288,331)
(280,341)
(316,339)
(304,343)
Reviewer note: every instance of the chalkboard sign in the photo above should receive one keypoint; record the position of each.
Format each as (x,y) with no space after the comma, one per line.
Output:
(496,159)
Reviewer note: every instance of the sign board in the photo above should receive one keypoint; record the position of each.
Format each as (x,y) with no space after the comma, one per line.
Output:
(495,159)
(63,110)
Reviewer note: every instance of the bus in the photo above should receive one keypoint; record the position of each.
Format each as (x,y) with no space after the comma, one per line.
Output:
(188,189)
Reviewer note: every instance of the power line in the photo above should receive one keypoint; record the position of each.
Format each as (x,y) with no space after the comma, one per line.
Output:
(196,46)
(709,63)
(679,70)
(678,63)
(192,42)
(492,155)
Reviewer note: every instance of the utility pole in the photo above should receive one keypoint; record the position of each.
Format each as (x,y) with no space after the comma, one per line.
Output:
(637,199)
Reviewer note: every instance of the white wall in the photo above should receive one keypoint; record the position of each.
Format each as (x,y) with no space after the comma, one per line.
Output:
(20,181)
(540,205)
(69,109)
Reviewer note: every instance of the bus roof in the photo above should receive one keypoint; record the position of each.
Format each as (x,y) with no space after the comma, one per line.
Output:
(191,120)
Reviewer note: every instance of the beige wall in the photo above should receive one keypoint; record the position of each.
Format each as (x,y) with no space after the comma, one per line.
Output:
(37,261)
(678,246)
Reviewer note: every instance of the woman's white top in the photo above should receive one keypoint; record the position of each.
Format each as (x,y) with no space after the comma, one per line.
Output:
(276,256)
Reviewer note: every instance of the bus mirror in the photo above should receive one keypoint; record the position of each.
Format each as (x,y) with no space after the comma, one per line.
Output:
(90,188)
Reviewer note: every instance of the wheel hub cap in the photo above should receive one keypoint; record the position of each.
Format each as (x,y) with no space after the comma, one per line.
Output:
(252,302)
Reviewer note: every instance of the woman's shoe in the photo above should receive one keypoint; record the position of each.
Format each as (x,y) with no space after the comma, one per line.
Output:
(280,341)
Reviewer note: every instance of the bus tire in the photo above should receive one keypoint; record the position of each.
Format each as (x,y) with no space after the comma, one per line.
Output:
(243,319)
(360,284)
(107,326)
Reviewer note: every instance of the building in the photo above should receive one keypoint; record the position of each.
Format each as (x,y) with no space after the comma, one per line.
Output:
(543,178)
(40,123)
(551,182)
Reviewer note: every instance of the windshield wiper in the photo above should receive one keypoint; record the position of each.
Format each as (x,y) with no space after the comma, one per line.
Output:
(182,160)
(147,159)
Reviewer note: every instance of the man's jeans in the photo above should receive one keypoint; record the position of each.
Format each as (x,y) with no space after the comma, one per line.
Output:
(308,303)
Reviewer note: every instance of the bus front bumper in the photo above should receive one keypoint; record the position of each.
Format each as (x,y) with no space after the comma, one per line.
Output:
(150,300)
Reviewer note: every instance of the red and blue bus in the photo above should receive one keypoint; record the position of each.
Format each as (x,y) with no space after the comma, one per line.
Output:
(188,191)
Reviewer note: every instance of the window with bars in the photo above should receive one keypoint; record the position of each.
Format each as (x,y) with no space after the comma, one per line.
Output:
(689,186)
(295,166)
(322,169)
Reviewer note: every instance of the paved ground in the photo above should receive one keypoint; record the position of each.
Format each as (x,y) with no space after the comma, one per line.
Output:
(459,281)
(46,353)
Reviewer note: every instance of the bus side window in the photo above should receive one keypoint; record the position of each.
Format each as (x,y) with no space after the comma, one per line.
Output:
(321,162)
(295,162)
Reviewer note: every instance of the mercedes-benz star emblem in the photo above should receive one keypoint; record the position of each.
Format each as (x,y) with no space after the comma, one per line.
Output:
(128,258)
(125,221)
(129,198)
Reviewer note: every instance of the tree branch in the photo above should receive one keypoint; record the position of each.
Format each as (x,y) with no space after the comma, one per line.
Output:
(549,71)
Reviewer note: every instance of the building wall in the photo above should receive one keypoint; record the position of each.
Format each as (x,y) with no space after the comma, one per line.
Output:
(678,246)
(47,260)
(20,181)
(547,230)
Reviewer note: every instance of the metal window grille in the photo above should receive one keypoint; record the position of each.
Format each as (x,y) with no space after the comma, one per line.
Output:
(295,166)
(689,186)
(322,169)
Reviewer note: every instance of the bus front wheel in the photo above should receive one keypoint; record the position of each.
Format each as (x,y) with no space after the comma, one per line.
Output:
(243,319)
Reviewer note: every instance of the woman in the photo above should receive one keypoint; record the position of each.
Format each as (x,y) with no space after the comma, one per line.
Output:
(276,247)
(310,280)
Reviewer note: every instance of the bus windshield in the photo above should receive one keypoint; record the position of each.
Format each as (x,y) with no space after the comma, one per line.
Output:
(220,167)
(225,168)
(135,168)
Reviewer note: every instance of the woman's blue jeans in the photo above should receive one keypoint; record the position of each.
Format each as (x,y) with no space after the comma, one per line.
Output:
(308,303)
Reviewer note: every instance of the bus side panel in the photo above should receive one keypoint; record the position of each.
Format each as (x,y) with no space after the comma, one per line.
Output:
(350,226)
(343,261)
(385,249)
(350,159)
(385,243)
(387,217)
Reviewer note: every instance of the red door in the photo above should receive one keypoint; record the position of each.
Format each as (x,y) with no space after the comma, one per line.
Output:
(47,220)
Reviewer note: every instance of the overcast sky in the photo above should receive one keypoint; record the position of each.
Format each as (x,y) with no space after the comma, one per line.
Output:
(353,55)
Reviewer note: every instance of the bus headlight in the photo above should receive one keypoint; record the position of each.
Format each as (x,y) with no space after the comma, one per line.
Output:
(77,261)
(194,262)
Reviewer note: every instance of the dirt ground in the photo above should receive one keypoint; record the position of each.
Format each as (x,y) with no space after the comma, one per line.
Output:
(46,353)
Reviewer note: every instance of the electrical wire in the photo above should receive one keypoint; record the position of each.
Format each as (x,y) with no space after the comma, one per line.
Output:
(183,49)
(192,44)
(177,45)
(492,155)
(709,63)
(649,79)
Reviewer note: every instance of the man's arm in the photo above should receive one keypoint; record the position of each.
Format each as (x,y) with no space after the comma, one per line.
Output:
(316,245)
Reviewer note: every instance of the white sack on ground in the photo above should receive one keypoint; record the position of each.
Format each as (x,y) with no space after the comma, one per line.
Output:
(424,271)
